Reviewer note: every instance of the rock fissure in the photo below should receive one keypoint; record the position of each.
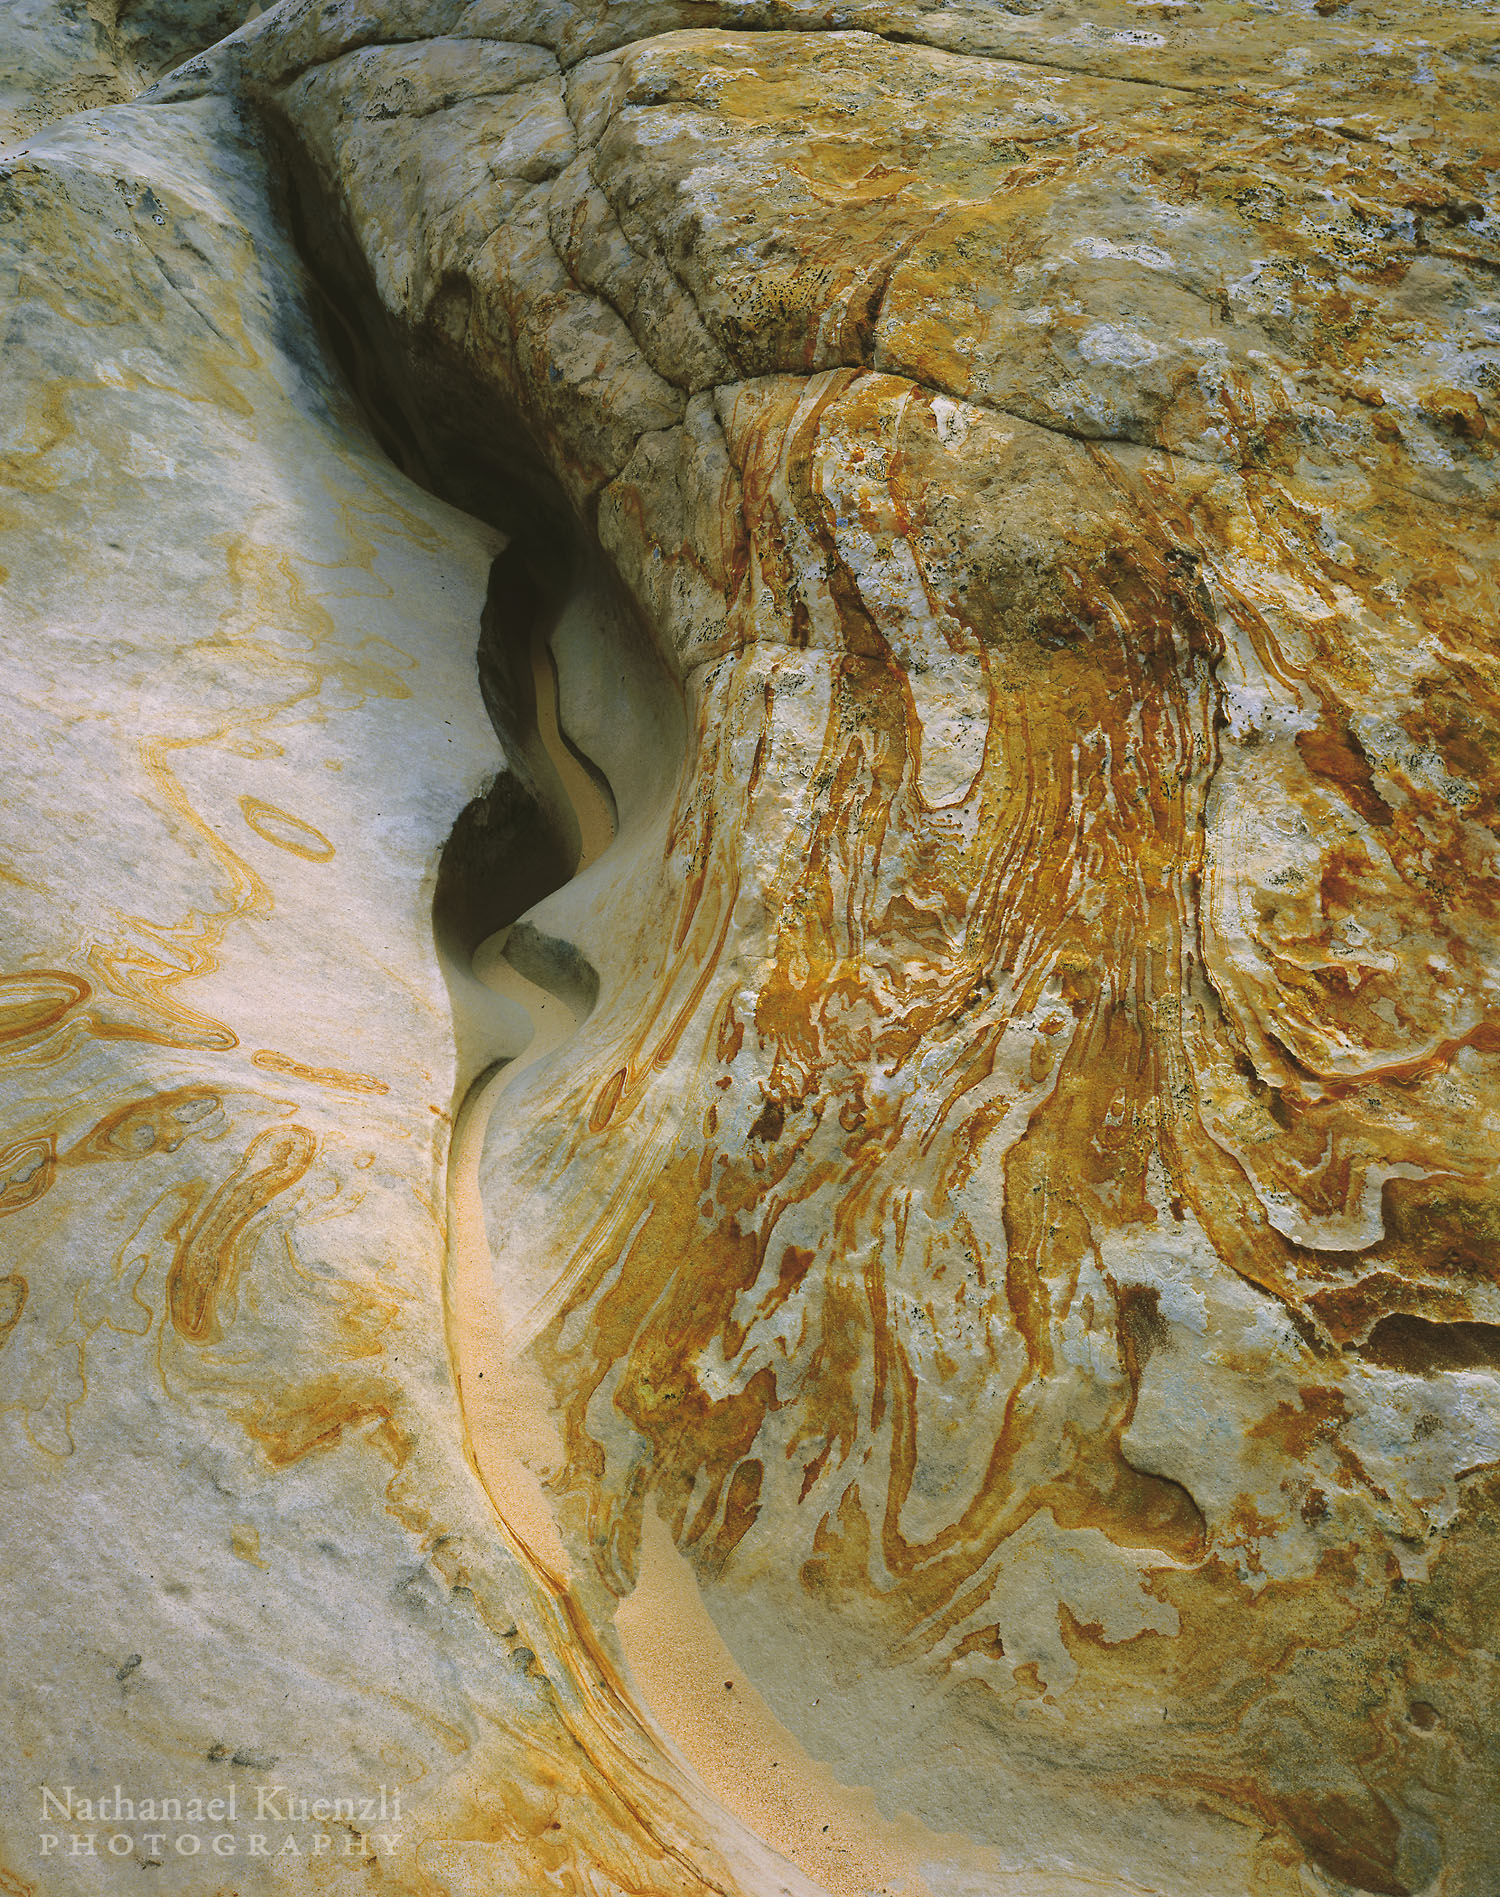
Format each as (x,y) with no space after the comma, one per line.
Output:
(988,1213)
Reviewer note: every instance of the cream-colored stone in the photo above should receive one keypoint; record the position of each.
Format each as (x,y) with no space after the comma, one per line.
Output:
(1002,1178)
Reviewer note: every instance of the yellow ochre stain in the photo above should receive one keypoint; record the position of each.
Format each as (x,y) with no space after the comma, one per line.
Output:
(209,1259)
(278,826)
(334,1078)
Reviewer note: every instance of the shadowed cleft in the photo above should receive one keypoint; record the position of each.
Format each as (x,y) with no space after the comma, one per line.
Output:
(1418,1345)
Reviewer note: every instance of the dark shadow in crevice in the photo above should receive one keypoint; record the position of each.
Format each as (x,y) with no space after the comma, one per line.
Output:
(557,966)
(519,841)
(514,846)
(521,610)
(437,421)
(502,857)
(1422,1347)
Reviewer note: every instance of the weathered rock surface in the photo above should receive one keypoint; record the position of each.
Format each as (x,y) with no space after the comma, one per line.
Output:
(243,1545)
(60,56)
(1003,1178)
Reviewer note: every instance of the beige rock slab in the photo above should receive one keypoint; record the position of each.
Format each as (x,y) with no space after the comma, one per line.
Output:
(244,1552)
(1017,1204)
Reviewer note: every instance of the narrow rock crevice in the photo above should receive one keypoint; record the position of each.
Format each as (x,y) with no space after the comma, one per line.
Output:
(518,843)
(519,990)
(549,809)
(1424,1347)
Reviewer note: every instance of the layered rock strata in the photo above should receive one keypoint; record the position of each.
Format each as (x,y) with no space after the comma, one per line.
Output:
(1005,1186)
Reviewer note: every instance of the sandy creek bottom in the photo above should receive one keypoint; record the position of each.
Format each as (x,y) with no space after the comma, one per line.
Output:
(685,1683)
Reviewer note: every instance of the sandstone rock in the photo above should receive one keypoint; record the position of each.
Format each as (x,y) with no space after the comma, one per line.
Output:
(991,1191)
(243,1545)
(60,56)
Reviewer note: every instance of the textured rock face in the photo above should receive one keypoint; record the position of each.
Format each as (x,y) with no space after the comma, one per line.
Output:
(1003,1177)
(60,56)
(243,1548)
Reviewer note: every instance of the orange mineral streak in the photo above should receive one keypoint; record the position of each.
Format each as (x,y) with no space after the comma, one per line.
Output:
(33,1005)
(157,1123)
(145,974)
(27,1169)
(274,604)
(1067,870)
(335,1079)
(312,1418)
(211,1254)
(293,834)
(13,1291)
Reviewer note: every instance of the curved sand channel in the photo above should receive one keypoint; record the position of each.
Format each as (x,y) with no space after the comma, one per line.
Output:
(698,1703)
